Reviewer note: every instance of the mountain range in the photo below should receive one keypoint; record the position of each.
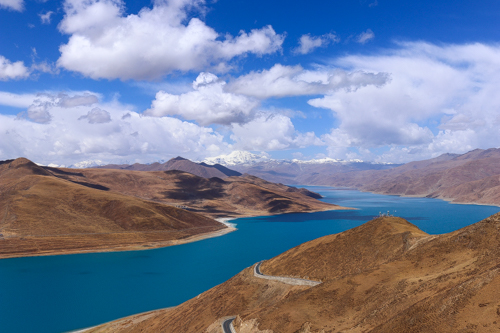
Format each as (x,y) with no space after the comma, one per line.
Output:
(292,172)
(473,177)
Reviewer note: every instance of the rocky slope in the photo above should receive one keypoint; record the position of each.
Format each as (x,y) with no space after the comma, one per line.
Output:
(473,177)
(46,210)
(384,276)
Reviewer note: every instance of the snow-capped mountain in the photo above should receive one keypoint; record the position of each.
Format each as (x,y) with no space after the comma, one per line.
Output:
(87,164)
(237,157)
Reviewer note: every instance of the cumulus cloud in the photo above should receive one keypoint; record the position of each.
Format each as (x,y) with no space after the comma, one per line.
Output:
(207,104)
(12,70)
(271,131)
(128,136)
(440,99)
(106,43)
(17,5)
(45,18)
(308,43)
(365,36)
(97,116)
(281,81)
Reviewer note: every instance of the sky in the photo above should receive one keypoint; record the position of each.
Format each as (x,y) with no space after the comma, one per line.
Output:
(140,81)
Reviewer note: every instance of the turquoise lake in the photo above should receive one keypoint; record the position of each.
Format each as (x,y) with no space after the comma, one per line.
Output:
(62,293)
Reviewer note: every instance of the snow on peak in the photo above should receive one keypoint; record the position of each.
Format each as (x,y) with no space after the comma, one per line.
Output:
(87,164)
(237,157)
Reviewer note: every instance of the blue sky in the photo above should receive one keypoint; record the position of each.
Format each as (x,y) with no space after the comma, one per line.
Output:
(122,81)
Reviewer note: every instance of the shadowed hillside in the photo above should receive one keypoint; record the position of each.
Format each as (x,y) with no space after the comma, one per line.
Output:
(383,276)
(229,197)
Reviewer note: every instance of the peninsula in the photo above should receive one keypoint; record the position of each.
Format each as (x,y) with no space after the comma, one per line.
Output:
(46,210)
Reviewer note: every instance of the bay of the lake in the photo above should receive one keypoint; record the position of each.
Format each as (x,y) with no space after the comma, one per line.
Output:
(61,293)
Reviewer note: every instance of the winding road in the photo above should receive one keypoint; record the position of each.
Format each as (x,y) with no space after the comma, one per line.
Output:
(227,323)
(287,280)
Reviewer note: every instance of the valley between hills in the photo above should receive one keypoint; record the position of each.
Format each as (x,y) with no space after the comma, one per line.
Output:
(48,210)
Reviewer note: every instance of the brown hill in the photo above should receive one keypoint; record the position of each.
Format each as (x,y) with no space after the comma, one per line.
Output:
(41,214)
(384,276)
(181,164)
(473,177)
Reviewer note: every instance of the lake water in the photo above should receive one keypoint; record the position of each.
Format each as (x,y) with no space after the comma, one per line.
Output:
(61,293)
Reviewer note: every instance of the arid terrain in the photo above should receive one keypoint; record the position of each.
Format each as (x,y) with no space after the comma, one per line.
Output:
(49,210)
(473,177)
(383,276)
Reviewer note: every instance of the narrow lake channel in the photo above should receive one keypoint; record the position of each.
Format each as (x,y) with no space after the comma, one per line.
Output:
(62,293)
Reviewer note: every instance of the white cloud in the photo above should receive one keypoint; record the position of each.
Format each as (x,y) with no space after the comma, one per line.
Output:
(45,18)
(55,135)
(308,43)
(281,81)
(439,99)
(12,70)
(17,5)
(365,36)
(107,43)
(269,132)
(207,104)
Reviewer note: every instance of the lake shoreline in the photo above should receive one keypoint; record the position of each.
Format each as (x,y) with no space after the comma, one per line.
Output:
(131,247)
(228,227)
